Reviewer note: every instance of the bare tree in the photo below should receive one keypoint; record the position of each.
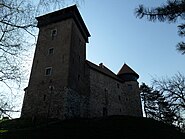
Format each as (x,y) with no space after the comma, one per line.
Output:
(17,27)
(165,101)
(173,90)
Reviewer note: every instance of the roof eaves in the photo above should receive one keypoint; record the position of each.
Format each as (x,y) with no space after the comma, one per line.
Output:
(103,71)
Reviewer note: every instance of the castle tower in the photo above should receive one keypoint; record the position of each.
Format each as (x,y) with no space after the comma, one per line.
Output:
(57,78)
(129,77)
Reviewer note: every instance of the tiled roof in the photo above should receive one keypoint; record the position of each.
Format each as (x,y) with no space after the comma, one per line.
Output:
(127,70)
(103,69)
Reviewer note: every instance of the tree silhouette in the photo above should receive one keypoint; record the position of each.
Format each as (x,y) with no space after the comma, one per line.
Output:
(169,12)
(165,101)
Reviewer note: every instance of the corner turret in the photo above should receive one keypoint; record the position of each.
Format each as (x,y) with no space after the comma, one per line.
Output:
(127,74)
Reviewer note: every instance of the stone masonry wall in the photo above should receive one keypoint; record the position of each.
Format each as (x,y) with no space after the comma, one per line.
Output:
(111,97)
(75,105)
(134,107)
(106,96)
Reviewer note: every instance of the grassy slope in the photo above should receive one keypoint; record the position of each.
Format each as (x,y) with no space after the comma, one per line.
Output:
(109,127)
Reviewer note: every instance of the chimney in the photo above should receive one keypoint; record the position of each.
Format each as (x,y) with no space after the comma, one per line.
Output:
(101,65)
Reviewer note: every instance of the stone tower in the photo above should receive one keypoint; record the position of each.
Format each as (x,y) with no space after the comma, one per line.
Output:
(58,70)
(131,84)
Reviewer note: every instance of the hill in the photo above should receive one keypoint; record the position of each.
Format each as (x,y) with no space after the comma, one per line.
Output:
(124,127)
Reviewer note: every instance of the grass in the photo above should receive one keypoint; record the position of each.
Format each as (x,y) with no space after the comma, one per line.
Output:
(109,127)
(3,131)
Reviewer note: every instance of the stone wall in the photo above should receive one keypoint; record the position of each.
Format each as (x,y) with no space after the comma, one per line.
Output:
(75,105)
(111,97)
(59,103)
(105,95)
(134,108)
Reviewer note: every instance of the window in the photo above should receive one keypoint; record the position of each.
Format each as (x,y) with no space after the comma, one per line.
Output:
(119,97)
(73,60)
(50,51)
(53,33)
(79,42)
(79,59)
(117,85)
(130,87)
(44,98)
(78,77)
(105,113)
(48,71)
(106,96)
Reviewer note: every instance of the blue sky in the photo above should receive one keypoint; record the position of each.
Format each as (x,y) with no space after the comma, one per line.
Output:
(118,37)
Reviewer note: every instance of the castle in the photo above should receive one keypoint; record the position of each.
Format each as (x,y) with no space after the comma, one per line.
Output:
(64,85)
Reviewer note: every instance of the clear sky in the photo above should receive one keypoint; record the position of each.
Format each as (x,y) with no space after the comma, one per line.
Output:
(118,37)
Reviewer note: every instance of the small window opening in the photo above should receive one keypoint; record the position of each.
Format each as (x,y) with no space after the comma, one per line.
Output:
(79,58)
(119,98)
(106,97)
(81,44)
(44,98)
(51,51)
(63,58)
(117,85)
(130,87)
(48,71)
(58,111)
(105,113)
(73,60)
(53,33)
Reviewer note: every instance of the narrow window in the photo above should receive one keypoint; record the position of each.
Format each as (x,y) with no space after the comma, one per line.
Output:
(48,71)
(106,97)
(50,51)
(79,59)
(53,33)
(58,111)
(81,43)
(130,87)
(105,111)
(63,58)
(36,64)
(78,77)
(119,98)
(117,85)
(44,97)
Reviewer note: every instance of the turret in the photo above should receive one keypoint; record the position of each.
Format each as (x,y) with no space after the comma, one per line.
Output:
(127,74)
